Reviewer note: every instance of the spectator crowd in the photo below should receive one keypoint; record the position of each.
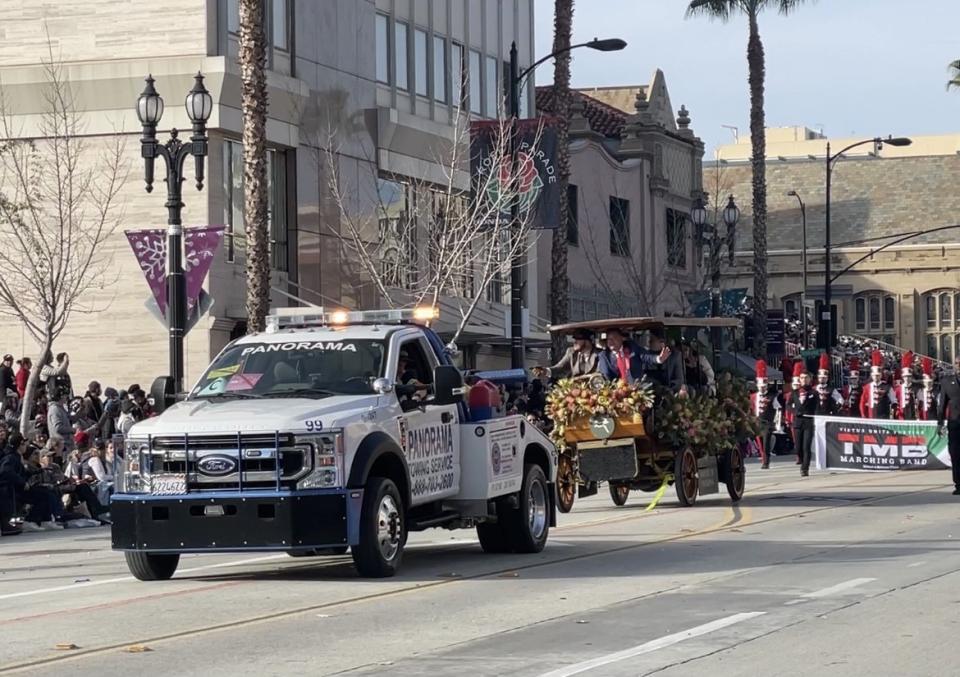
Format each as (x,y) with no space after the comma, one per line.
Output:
(57,471)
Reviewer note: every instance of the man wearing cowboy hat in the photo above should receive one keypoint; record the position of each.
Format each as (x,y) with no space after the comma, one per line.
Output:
(580,359)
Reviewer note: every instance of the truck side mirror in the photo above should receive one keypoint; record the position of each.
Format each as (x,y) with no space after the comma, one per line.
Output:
(163,394)
(447,385)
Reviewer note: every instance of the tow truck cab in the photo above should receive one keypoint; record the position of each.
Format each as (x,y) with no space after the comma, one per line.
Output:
(332,430)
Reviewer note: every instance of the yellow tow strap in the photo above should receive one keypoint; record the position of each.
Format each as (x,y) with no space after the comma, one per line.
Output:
(660,492)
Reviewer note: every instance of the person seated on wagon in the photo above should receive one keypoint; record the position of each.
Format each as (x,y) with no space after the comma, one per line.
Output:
(580,359)
(624,359)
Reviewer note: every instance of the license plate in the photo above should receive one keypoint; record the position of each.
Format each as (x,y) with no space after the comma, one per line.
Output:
(166,485)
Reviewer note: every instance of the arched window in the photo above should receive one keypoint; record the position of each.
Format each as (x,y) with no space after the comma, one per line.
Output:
(930,305)
(861,312)
(790,308)
(946,305)
(889,312)
(875,314)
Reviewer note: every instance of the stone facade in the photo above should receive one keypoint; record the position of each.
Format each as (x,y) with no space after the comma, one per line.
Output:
(649,157)
(876,197)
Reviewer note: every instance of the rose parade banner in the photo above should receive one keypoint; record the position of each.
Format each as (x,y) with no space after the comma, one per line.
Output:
(876,445)
(537,192)
(199,246)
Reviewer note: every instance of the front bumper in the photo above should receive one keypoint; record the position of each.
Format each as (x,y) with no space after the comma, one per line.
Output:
(236,522)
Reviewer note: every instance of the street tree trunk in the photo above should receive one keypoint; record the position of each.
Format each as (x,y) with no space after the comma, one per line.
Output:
(758,141)
(559,282)
(254,105)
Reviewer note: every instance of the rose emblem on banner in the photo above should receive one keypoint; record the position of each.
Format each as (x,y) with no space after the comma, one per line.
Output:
(528,184)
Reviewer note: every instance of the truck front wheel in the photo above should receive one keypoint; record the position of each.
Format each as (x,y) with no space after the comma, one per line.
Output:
(149,567)
(382,530)
(528,525)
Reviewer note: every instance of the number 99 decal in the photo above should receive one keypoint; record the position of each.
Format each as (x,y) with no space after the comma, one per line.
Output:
(313,425)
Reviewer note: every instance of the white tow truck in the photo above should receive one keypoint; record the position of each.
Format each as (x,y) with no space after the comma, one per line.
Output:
(329,431)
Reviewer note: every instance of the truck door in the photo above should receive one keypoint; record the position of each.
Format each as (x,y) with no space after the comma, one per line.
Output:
(431,433)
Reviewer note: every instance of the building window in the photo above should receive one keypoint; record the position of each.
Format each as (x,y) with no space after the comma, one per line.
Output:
(939,307)
(861,313)
(946,346)
(475,84)
(277,218)
(619,226)
(440,69)
(889,312)
(790,308)
(490,87)
(420,61)
(383,48)
(457,74)
(397,234)
(676,239)
(930,304)
(279,25)
(946,304)
(276,22)
(932,345)
(573,215)
(400,48)
(874,313)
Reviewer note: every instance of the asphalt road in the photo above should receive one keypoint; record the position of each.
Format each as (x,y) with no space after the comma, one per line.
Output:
(835,574)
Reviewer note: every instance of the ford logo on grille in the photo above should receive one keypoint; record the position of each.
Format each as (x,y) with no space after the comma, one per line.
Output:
(217,465)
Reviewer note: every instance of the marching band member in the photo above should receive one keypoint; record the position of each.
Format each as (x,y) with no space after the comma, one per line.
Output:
(903,392)
(804,404)
(789,399)
(877,397)
(852,391)
(765,403)
(823,381)
(926,398)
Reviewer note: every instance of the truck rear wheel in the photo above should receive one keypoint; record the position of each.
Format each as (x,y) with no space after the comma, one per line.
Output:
(528,525)
(149,567)
(382,530)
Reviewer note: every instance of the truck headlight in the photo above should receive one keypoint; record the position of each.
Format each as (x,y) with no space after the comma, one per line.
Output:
(327,470)
(133,468)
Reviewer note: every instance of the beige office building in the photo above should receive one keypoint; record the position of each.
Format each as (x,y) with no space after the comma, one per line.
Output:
(908,294)
(382,74)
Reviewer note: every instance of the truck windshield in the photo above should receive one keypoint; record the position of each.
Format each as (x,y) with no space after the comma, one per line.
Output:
(294,369)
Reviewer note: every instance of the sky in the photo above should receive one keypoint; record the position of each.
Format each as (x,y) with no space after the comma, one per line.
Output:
(850,67)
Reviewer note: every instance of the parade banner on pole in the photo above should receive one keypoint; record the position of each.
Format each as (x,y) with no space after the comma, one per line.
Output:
(199,246)
(536,191)
(867,445)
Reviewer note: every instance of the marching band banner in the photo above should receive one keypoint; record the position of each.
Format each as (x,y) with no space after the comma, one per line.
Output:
(878,445)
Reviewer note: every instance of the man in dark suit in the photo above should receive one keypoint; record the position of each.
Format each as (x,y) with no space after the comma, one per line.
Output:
(949,409)
(624,359)
(671,372)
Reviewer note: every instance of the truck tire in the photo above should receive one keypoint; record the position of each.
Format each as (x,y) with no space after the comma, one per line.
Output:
(149,567)
(528,526)
(493,538)
(382,530)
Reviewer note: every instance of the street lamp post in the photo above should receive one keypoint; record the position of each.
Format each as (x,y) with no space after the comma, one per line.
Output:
(517,349)
(174,152)
(824,322)
(730,215)
(803,257)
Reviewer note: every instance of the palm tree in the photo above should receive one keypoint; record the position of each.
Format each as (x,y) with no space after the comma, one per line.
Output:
(954,80)
(724,10)
(559,283)
(253,62)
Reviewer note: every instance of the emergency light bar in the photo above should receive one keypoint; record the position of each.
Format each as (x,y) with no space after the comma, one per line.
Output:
(287,318)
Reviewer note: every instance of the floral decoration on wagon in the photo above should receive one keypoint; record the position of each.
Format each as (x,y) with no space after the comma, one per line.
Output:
(708,423)
(573,401)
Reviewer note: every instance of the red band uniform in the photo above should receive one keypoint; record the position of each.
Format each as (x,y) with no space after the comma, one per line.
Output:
(852,391)
(877,398)
(765,404)
(926,397)
(903,392)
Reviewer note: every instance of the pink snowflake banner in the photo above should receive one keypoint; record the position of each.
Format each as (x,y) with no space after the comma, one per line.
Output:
(199,247)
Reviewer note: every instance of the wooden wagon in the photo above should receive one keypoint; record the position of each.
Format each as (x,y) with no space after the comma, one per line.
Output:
(624,451)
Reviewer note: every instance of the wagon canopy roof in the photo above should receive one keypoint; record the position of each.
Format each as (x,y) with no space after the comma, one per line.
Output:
(641,323)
